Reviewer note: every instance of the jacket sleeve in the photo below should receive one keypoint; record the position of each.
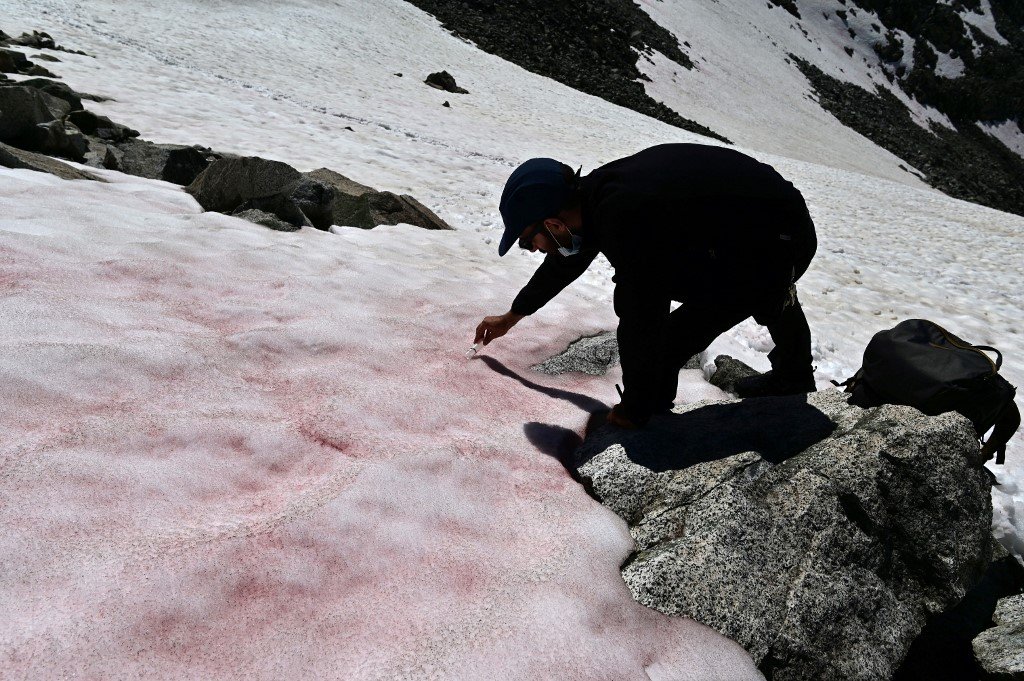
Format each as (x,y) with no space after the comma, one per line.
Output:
(553,275)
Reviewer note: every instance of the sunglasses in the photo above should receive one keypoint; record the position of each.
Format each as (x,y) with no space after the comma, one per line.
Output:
(526,239)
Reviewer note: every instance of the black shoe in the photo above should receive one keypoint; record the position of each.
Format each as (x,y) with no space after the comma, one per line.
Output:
(770,385)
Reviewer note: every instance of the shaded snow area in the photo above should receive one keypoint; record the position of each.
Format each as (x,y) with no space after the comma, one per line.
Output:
(235,452)
(1007,132)
(984,21)
(226,451)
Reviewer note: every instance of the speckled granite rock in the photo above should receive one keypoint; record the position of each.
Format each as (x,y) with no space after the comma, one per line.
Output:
(593,355)
(1000,650)
(729,370)
(818,535)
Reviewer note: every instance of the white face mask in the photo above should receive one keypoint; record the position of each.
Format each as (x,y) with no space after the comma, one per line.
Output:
(577,242)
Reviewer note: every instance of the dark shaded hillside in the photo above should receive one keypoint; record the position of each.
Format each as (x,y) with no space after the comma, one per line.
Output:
(590,46)
(967,164)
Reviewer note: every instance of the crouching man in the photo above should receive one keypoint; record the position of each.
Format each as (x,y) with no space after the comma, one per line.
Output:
(705,226)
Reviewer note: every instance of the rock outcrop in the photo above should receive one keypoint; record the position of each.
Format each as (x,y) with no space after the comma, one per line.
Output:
(320,198)
(820,536)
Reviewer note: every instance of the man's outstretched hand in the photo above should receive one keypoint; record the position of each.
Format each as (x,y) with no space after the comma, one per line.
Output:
(495,327)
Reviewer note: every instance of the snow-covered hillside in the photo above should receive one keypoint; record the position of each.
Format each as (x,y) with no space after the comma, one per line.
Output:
(230,451)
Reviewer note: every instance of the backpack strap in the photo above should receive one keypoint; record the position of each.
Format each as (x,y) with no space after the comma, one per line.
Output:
(989,348)
(1006,425)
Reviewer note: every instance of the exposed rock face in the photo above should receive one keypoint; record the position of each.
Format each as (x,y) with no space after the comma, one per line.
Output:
(442,80)
(818,535)
(12,157)
(1000,650)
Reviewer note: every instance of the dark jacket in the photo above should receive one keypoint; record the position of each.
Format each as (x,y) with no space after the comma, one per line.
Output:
(697,224)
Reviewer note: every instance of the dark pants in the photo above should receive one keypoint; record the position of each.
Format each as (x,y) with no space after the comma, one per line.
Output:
(763,287)
(693,328)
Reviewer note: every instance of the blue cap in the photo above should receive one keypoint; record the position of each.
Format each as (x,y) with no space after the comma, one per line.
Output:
(536,190)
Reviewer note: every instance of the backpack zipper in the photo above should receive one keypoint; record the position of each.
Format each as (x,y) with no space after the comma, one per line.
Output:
(948,336)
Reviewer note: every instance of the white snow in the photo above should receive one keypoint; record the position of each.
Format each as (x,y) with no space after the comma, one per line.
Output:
(985,22)
(228,451)
(1007,132)
(947,66)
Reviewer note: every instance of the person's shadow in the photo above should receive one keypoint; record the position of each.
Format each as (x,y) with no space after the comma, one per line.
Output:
(776,428)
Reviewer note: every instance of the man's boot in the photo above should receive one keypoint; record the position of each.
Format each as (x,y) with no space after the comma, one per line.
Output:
(792,372)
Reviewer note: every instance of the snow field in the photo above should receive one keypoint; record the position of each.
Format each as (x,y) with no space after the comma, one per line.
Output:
(245,452)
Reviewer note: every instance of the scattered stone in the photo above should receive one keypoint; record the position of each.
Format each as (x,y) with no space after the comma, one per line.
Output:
(594,47)
(729,370)
(446,104)
(175,163)
(593,355)
(399,75)
(270,220)
(41,41)
(12,157)
(47,57)
(1000,650)
(442,80)
(819,536)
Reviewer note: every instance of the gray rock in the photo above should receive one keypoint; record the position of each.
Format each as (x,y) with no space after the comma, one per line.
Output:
(40,71)
(818,535)
(22,109)
(729,370)
(356,205)
(1000,650)
(103,127)
(593,355)
(47,57)
(442,80)
(57,139)
(270,220)
(228,183)
(315,199)
(55,89)
(12,157)
(393,209)
(175,163)
(943,650)
(12,61)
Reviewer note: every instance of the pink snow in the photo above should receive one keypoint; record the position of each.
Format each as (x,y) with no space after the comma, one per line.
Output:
(229,452)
